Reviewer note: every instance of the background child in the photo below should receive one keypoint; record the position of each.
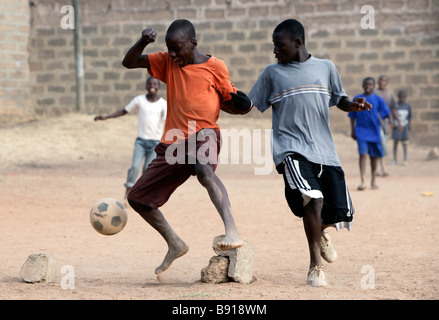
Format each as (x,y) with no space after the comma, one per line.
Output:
(386,124)
(401,129)
(366,130)
(152,114)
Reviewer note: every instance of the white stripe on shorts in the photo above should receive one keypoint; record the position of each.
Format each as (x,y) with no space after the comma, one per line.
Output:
(349,203)
(296,181)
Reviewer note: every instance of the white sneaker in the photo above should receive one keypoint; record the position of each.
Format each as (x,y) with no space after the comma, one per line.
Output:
(317,276)
(327,250)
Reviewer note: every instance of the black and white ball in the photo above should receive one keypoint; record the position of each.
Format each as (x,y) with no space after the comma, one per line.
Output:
(108,216)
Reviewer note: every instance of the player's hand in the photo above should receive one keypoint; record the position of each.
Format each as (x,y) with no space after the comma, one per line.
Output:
(360,104)
(241,101)
(100,118)
(149,35)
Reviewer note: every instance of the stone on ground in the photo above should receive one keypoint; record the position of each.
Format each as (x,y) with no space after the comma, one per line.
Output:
(433,154)
(39,267)
(216,271)
(240,260)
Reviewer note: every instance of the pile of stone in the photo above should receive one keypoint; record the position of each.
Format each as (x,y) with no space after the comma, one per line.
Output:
(229,265)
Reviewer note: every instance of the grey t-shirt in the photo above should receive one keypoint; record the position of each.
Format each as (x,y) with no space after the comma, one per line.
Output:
(300,94)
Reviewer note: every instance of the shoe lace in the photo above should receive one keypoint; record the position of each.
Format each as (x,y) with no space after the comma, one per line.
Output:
(317,269)
(325,242)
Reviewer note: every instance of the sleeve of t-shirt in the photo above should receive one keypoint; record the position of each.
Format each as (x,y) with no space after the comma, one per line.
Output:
(222,81)
(261,91)
(132,106)
(336,86)
(158,63)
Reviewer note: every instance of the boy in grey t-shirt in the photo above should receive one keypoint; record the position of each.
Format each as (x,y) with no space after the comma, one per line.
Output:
(402,127)
(300,88)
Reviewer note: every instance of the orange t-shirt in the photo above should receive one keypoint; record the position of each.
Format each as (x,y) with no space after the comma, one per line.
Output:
(194,94)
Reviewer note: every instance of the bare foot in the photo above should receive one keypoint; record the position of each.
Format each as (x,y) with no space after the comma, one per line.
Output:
(361,187)
(176,250)
(374,186)
(230,241)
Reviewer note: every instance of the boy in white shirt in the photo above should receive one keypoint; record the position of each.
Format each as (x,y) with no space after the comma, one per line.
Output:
(152,114)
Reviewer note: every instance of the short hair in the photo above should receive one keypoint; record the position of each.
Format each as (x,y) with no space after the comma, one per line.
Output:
(402,92)
(369,78)
(150,78)
(183,26)
(293,28)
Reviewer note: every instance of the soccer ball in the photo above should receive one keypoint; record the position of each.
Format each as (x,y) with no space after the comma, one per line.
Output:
(108,216)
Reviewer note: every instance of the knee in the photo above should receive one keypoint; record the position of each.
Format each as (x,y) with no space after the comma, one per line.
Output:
(315,205)
(138,207)
(204,173)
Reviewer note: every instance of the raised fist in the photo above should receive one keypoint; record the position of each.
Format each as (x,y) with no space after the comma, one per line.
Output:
(149,35)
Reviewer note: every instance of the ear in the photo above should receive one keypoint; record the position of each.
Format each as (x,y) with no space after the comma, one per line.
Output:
(298,43)
(194,43)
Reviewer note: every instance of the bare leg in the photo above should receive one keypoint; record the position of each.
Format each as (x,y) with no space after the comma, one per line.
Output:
(383,171)
(362,163)
(404,148)
(395,151)
(218,195)
(313,230)
(374,165)
(176,246)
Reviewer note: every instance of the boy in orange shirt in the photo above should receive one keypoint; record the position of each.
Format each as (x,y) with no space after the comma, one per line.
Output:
(198,86)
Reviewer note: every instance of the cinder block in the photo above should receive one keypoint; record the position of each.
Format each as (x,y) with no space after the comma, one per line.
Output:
(241,260)
(39,267)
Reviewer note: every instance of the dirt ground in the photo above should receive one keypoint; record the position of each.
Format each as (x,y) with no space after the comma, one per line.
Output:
(53,170)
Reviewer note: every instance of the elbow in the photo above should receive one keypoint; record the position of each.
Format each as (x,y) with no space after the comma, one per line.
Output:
(127,64)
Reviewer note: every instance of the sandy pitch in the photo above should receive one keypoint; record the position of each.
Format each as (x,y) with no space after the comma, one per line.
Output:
(52,171)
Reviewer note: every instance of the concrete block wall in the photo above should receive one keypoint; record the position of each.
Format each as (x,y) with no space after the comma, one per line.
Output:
(14,61)
(403,45)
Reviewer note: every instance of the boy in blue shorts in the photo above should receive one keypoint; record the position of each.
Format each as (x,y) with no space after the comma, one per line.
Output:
(300,89)
(366,130)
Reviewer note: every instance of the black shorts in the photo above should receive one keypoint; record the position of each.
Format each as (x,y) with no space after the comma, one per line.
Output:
(305,180)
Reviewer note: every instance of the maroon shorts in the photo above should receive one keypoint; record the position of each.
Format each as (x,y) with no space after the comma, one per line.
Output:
(173,165)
